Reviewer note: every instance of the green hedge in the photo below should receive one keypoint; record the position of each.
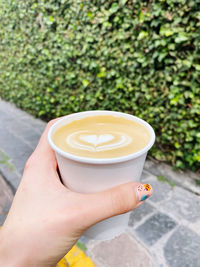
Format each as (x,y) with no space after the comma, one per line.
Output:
(140,57)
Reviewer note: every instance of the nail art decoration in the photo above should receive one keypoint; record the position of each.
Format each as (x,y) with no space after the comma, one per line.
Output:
(140,188)
(147,187)
(143,198)
(143,192)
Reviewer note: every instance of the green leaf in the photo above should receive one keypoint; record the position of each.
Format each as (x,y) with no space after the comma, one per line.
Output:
(85,82)
(172,184)
(123,2)
(177,145)
(81,245)
(182,37)
(166,31)
(142,35)
(114,8)
(102,73)
(187,63)
(90,15)
(162,178)
(197,66)
(4,160)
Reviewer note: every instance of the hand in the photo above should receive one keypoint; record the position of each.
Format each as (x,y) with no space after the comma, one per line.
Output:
(46,218)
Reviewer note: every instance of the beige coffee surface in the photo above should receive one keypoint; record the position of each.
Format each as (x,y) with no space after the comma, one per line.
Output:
(102,136)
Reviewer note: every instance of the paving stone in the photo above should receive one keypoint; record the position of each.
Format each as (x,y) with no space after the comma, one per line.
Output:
(184,179)
(84,239)
(24,131)
(20,160)
(37,124)
(8,170)
(155,227)
(121,251)
(29,133)
(6,197)
(183,204)
(31,137)
(15,149)
(11,144)
(4,213)
(182,248)
(34,141)
(5,118)
(11,112)
(11,109)
(195,226)
(140,213)
(145,175)
(161,190)
(2,159)
(5,106)
(11,175)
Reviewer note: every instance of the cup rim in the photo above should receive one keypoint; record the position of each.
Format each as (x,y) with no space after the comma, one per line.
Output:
(88,160)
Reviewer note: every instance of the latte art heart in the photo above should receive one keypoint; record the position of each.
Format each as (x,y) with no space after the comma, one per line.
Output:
(83,140)
(95,139)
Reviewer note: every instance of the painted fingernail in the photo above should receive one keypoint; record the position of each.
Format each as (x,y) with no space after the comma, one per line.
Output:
(143,191)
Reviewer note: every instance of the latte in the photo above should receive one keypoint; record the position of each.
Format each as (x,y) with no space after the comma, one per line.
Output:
(101,136)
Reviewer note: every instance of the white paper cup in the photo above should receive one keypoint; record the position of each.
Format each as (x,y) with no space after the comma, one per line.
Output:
(89,175)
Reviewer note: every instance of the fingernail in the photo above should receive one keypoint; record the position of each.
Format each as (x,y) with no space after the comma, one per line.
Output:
(143,191)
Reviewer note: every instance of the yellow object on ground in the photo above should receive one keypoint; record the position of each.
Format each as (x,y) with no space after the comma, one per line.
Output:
(76,258)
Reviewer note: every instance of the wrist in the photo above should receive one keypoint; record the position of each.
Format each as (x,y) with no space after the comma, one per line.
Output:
(11,251)
(16,252)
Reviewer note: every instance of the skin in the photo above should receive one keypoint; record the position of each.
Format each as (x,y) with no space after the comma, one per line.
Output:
(46,218)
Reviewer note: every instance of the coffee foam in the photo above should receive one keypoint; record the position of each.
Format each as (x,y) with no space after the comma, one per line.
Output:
(84,140)
(101,136)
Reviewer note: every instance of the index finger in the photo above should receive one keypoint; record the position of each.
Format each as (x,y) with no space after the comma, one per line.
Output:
(44,154)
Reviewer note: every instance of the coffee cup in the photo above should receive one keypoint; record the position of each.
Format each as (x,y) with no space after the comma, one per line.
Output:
(95,170)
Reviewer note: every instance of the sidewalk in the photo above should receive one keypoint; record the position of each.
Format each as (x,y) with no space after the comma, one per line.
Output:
(164,231)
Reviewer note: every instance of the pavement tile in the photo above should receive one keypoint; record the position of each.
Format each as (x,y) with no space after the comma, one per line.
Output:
(6,197)
(145,175)
(5,118)
(121,251)
(21,158)
(10,114)
(183,204)
(11,144)
(11,109)
(195,226)
(15,149)
(31,137)
(37,124)
(155,227)
(4,213)
(8,169)
(11,175)
(140,213)
(183,248)
(161,190)
(24,131)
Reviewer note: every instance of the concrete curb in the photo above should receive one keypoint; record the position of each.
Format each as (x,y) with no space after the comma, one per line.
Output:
(186,180)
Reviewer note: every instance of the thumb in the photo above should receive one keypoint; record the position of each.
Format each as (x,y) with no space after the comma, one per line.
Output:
(115,201)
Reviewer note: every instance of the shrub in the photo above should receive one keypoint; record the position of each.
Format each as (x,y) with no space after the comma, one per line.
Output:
(139,57)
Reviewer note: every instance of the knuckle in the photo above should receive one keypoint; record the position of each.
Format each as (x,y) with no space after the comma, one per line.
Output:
(50,123)
(29,163)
